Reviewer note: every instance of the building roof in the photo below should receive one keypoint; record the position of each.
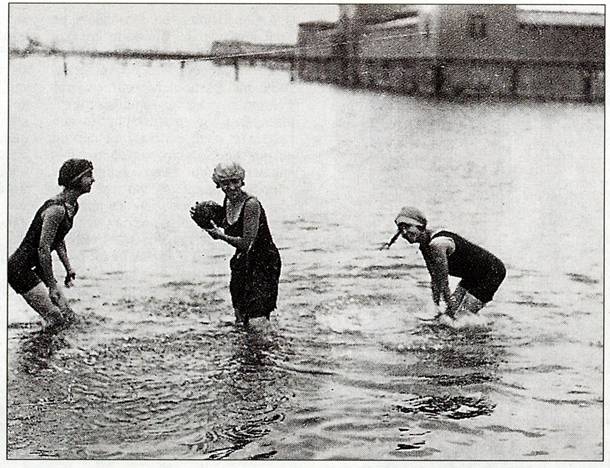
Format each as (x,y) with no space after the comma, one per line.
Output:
(396,23)
(318,25)
(561,18)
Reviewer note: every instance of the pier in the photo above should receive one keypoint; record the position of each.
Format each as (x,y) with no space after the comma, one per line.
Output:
(442,51)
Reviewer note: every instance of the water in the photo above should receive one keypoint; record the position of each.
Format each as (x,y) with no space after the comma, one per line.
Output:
(345,369)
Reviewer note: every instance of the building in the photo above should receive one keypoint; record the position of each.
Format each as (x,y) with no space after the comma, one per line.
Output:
(228,51)
(476,50)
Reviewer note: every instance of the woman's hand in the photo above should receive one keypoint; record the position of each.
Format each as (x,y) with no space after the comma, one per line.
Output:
(57,297)
(70,276)
(192,210)
(215,232)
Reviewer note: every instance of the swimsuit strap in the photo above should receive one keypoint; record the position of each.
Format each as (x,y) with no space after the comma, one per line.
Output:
(241,211)
(243,206)
(63,203)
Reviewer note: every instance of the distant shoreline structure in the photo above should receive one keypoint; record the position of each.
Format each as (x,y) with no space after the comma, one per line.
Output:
(123,54)
(451,52)
(458,51)
(220,51)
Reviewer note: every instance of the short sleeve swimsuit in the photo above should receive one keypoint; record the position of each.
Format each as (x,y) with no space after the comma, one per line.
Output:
(481,271)
(24,271)
(254,274)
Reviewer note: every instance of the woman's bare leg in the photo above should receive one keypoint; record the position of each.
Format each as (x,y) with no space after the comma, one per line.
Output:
(469,304)
(39,300)
(241,318)
(458,297)
(459,294)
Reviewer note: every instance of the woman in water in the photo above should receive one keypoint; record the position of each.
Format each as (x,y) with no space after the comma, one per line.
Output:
(256,265)
(30,267)
(447,253)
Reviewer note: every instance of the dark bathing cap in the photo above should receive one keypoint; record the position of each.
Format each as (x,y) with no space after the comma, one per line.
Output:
(411,215)
(72,170)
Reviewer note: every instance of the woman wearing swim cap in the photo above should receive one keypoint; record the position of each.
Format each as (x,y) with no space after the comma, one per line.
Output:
(448,254)
(256,265)
(30,267)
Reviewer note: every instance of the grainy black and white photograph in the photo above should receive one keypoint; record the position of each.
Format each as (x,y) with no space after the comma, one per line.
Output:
(369,232)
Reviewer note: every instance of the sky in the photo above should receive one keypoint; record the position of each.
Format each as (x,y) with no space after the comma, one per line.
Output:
(168,27)
(177,27)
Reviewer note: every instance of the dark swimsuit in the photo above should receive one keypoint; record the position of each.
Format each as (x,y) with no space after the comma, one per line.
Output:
(481,271)
(24,270)
(254,274)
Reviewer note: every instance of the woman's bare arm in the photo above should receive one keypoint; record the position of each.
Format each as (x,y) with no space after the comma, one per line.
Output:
(252,211)
(51,219)
(438,267)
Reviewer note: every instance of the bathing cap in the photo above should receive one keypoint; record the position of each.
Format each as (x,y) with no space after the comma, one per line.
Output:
(72,170)
(411,215)
(226,171)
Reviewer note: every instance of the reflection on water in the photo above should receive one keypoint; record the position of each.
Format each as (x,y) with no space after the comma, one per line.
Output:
(249,399)
(211,391)
(461,348)
(459,359)
(35,350)
(453,407)
(347,368)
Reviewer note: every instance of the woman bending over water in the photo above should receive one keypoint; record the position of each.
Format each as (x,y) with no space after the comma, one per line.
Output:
(448,254)
(30,267)
(256,265)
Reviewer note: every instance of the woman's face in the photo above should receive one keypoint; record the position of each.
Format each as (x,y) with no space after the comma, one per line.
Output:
(411,232)
(86,182)
(231,187)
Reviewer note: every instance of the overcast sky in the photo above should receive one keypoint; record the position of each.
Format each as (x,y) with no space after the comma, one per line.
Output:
(183,27)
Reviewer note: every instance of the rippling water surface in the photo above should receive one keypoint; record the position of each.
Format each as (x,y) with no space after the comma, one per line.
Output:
(156,369)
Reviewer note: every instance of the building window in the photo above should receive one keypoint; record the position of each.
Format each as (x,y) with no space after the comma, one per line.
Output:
(477,26)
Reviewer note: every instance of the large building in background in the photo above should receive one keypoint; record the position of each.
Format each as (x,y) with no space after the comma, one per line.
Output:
(458,50)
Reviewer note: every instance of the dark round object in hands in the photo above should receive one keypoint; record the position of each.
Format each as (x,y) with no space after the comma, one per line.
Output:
(203,213)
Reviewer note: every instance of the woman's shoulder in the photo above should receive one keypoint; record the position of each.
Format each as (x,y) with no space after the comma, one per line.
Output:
(53,205)
(441,232)
(250,197)
(53,212)
(442,239)
(252,201)
(250,209)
